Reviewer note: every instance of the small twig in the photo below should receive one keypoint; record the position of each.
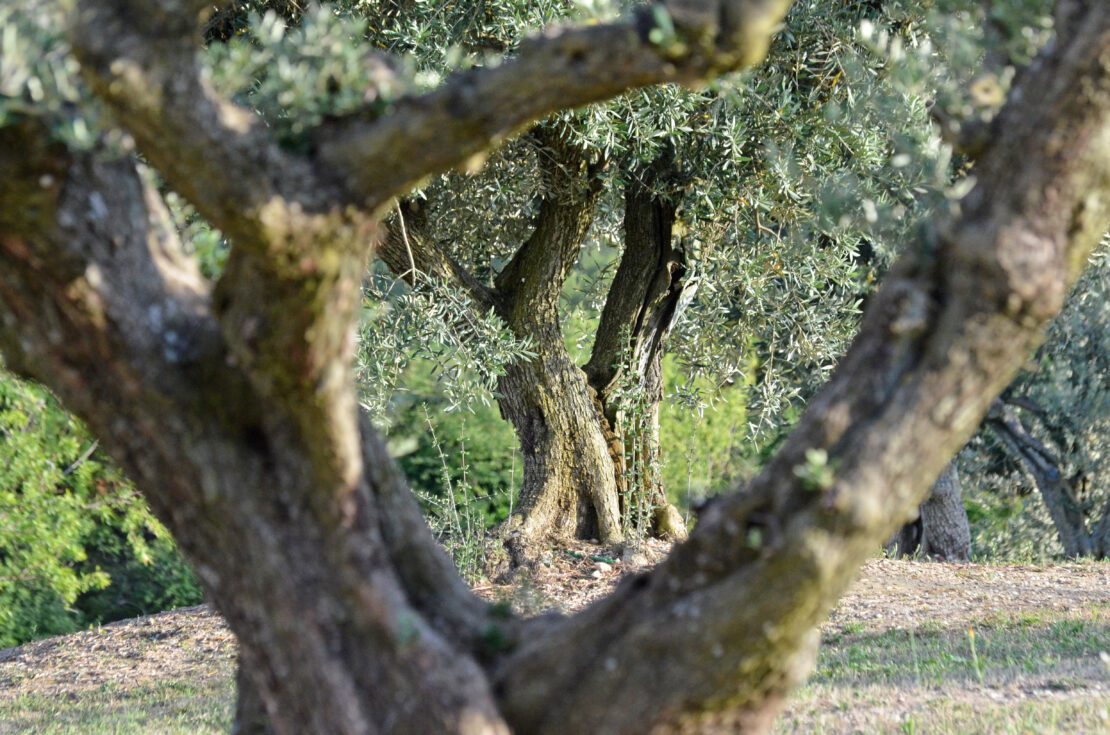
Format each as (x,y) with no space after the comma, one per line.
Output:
(408,246)
(82,459)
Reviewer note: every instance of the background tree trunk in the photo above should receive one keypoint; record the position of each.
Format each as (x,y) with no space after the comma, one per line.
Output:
(589,436)
(1102,534)
(945,532)
(940,530)
(626,364)
(570,482)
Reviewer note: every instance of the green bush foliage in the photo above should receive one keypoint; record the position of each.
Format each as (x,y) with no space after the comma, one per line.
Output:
(77,543)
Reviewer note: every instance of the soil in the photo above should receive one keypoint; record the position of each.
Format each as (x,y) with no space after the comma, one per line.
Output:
(194,644)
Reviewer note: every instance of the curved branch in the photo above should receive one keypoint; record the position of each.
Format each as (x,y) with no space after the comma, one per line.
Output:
(1044,467)
(427,574)
(728,621)
(675,41)
(406,249)
(91,267)
(99,301)
(143,61)
(289,295)
(529,286)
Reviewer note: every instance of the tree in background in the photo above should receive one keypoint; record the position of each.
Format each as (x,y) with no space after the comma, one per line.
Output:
(233,405)
(756,224)
(814,229)
(1048,433)
(706,210)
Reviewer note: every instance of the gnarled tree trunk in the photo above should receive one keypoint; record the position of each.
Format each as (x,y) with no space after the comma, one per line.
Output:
(569,486)
(626,365)
(234,408)
(589,436)
(1042,464)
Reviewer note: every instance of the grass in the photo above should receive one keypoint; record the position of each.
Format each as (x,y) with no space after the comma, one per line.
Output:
(1005,647)
(166,708)
(1033,672)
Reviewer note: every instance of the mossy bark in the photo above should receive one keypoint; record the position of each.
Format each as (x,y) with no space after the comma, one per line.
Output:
(309,542)
(626,364)
(589,435)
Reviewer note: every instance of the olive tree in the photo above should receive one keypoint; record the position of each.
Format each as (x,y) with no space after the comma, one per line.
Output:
(233,407)
(720,203)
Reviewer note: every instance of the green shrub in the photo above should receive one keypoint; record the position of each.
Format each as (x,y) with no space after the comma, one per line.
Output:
(706,449)
(71,526)
(468,452)
(158,579)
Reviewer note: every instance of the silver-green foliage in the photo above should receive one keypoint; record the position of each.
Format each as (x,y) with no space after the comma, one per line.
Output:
(295,76)
(38,74)
(797,182)
(436,323)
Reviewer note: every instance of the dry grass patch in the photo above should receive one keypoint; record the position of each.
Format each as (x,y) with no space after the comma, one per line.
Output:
(896,658)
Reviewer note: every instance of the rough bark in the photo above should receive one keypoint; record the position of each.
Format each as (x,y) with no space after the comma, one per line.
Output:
(626,365)
(952,324)
(250,711)
(940,530)
(569,483)
(582,441)
(234,414)
(568,471)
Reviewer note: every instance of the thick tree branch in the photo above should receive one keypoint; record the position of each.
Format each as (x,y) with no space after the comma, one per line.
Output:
(92,270)
(945,335)
(646,288)
(98,300)
(288,299)
(142,59)
(529,286)
(564,67)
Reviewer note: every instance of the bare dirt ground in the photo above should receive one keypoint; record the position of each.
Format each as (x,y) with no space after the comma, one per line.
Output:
(896,657)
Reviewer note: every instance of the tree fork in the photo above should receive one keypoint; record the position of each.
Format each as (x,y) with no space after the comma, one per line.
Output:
(309,565)
(950,327)
(569,484)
